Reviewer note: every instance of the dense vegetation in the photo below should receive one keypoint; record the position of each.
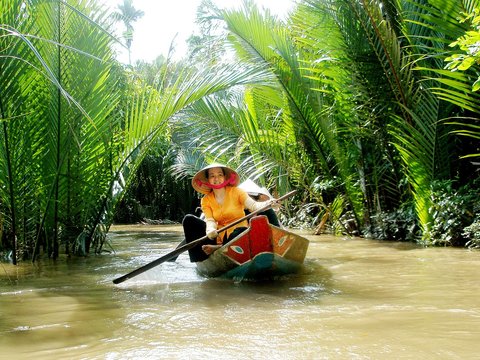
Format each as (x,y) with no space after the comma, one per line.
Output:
(369,109)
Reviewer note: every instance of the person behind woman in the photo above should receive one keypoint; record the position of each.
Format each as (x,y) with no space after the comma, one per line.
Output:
(258,193)
(222,204)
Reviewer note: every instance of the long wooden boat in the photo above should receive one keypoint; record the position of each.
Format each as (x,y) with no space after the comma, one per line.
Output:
(261,251)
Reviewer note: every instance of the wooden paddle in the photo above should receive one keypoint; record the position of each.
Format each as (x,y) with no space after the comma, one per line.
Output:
(192,244)
(173,259)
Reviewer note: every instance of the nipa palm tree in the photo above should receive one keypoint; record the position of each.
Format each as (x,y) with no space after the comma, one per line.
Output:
(359,100)
(68,147)
(127,14)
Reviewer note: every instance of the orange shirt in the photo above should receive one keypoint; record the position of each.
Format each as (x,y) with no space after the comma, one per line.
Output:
(232,208)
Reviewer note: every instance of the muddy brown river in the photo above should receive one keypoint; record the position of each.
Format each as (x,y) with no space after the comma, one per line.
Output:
(354,299)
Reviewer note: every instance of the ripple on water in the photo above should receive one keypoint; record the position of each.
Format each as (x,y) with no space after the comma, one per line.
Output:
(354,299)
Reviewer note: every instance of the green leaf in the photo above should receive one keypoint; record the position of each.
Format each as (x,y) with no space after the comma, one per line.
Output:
(466,63)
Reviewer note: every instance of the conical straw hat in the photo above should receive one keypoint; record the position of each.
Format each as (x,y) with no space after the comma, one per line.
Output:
(200,178)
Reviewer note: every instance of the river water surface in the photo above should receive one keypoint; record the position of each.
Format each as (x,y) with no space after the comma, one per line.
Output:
(354,299)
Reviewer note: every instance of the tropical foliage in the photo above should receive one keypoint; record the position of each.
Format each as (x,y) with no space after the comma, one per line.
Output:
(369,108)
(154,195)
(363,115)
(57,108)
(75,125)
(127,14)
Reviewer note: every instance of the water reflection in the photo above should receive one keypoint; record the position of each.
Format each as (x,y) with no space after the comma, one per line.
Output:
(354,299)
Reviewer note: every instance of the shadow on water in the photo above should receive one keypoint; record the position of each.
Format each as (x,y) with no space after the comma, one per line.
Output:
(179,283)
(303,288)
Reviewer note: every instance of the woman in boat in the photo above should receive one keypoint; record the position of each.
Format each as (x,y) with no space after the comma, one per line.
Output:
(222,204)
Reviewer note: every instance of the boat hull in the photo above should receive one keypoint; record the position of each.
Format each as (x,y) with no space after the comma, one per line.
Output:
(261,251)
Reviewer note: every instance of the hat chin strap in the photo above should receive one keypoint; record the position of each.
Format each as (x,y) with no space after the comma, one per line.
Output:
(230,181)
